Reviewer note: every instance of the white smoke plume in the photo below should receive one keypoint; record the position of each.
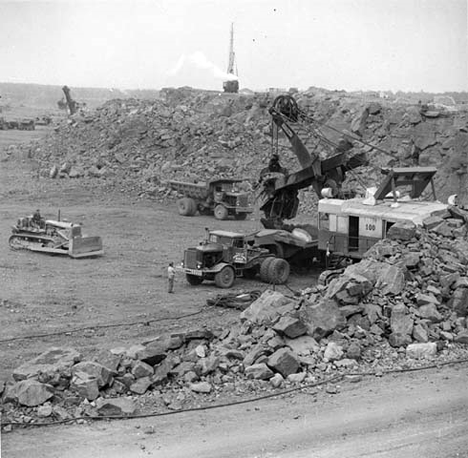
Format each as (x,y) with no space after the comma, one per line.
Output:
(201,61)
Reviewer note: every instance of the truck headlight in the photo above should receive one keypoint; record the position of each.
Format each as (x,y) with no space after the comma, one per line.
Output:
(199,264)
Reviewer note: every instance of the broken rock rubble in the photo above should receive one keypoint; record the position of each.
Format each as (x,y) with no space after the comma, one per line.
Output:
(384,310)
(188,134)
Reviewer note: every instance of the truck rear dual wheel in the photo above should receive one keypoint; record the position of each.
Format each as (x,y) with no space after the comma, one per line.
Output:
(264,268)
(274,271)
(221,212)
(187,206)
(278,271)
(225,277)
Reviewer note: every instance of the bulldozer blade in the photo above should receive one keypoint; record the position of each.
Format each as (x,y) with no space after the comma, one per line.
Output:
(81,247)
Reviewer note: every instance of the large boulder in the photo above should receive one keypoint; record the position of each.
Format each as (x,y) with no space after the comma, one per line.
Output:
(139,386)
(115,407)
(421,350)
(420,333)
(284,361)
(102,374)
(141,369)
(323,318)
(459,302)
(206,365)
(402,230)
(85,385)
(349,288)
(430,312)
(401,325)
(425,299)
(424,135)
(400,321)
(256,352)
(388,278)
(30,392)
(259,371)
(108,359)
(201,387)
(303,345)
(161,371)
(54,360)
(333,352)
(153,353)
(413,115)
(358,124)
(267,308)
(290,327)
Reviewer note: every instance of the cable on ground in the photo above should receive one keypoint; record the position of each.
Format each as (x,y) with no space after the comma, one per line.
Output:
(99,326)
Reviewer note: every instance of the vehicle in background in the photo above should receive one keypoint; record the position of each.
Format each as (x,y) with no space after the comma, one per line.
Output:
(221,197)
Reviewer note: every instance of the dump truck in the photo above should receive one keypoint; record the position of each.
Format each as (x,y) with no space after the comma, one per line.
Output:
(220,197)
(225,255)
(299,246)
(27,124)
(35,233)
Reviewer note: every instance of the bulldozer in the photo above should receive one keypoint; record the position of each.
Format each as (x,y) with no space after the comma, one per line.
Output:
(35,233)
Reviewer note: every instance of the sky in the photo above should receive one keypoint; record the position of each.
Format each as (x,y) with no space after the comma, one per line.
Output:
(408,45)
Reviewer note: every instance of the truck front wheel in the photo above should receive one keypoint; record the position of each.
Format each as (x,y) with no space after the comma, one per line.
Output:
(221,212)
(193,280)
(225,277)
(241,216)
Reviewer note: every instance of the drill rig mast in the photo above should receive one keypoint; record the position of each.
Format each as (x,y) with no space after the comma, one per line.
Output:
(232,85)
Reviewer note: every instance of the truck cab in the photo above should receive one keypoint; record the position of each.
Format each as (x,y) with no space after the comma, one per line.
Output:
(225,255)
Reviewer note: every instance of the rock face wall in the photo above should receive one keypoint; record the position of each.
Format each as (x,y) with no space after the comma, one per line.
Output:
(189,134)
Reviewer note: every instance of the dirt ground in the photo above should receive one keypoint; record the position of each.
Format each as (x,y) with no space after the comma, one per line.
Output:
(42,293)
(417,414)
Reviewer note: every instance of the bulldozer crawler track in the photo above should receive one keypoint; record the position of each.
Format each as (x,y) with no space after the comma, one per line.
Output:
(27,242)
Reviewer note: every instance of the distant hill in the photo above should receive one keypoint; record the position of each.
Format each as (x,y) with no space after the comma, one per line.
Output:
(45,96)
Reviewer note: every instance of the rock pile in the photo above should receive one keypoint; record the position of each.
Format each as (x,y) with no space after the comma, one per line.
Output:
(405,302)
(189,134)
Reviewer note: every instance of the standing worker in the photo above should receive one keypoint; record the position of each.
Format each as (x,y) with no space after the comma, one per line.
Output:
(170,277)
